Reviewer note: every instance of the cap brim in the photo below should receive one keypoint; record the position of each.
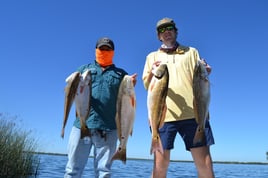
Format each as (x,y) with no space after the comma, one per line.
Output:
(165,24)
(105,44)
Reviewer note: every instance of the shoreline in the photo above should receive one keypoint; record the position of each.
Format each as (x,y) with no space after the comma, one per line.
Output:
(214,162)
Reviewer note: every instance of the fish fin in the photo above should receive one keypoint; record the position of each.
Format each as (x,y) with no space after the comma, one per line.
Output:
(120,154)
(84,132)
(199,137)
(62,133)
(157,145)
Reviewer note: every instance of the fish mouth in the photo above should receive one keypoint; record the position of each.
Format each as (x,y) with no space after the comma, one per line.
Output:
(160,71)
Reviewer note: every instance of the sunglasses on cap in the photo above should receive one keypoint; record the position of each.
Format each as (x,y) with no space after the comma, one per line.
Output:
(168,28)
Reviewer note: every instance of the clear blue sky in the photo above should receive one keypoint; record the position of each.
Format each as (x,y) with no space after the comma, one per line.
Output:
(42,42)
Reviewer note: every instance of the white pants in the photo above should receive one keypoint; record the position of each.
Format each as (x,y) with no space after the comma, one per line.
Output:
(79,149)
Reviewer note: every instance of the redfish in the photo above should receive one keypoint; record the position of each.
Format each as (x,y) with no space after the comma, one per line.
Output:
(201,92)
(156,104)
(78,90)
(70,92)
(82,101)
(125,115)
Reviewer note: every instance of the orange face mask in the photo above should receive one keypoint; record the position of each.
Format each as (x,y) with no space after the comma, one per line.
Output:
(104,58)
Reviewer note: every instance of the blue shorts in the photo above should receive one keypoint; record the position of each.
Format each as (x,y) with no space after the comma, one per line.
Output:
(186,129)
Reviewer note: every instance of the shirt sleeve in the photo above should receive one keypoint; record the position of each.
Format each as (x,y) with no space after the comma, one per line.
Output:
(147,69)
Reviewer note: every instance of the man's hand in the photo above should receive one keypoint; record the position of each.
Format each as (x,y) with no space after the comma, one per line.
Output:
(155,65)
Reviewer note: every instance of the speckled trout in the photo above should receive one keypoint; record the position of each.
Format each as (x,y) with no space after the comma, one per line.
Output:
(126,107)
(156,104)
(201,92)
(78,90)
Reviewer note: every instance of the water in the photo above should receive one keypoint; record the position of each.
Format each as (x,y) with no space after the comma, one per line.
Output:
(52,166)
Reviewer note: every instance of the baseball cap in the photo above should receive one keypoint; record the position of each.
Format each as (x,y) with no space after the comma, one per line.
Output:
(105,42)
(165,22)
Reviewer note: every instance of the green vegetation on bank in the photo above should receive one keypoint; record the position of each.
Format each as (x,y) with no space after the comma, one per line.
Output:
(17,147)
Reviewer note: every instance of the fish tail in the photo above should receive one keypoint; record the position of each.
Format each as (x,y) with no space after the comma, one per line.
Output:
(156,145)
(120,154)
(199,137)
(84,132)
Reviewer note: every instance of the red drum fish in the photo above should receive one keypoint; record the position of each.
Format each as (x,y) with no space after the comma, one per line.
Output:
(82,101)
(70,92)
(126,107)
(78,90)
(201,92)
(156,104)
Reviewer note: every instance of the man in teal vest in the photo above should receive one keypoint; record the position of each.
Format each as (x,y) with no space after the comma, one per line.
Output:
(106,79)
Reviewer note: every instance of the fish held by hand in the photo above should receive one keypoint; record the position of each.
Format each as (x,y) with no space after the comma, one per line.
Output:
(201,92)
(78,90)
(156,104)
(70,92)
(125,115)
(82,101)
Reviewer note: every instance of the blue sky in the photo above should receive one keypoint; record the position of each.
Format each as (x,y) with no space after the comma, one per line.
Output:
(42,42)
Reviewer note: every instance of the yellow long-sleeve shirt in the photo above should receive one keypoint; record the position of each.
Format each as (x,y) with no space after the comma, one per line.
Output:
(181,67)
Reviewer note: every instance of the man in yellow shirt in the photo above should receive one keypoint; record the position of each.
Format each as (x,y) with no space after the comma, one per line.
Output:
(180,117)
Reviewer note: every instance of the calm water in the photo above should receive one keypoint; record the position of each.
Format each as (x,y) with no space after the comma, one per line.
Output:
(53,167)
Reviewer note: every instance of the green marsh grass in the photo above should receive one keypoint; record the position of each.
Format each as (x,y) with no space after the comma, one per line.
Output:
(17,149)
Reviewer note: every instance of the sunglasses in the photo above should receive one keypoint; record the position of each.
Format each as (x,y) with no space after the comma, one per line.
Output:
(168,28)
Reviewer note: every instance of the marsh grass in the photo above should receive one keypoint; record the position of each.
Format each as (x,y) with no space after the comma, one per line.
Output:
(17,149)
